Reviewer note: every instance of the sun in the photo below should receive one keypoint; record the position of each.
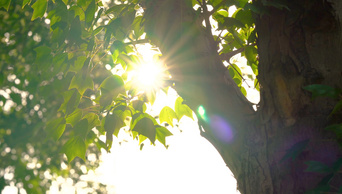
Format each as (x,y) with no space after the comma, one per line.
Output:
(148,76)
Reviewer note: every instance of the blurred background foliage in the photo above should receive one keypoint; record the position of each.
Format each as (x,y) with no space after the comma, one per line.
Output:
(28,98)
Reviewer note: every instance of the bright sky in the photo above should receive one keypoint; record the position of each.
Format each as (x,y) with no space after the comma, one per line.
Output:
(190,164)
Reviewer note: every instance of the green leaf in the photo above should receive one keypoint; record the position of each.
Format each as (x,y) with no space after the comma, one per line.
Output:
(139,105)
(59,62)
(55,128)
(295,150)
(243,90)
(230,22)
(322,90)
(137,27)
(81,128)
(167,115)
(75,147)
(78,12)
(79,63)
(81,83)
(234,71)
(75,33)
(98,30)
(161,133)
(116,8)
(118,45)
(141,139)
(122,112)
(25,2)
(316,166)
(74,117)
(251,54)
(245,16)
(71,100)
(5,4)
(113,82)
(336,128)
(43,57)
(111,87)
(337,107)
(90,12)
(223,12)
(112,125)
(39,8)
(182,109)
(145,127)
(243,2)
(93,120)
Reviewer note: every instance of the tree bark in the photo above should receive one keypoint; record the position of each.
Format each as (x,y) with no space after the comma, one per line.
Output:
(296,48)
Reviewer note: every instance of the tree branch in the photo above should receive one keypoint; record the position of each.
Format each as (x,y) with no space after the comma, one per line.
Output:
(142,41)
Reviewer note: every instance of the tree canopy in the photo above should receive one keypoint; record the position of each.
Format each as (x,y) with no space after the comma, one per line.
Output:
(59,92)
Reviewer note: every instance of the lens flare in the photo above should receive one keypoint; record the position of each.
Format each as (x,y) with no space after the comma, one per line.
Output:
(221,128)
(201,111)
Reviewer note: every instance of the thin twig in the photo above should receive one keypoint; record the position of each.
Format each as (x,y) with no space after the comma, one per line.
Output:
(200,3)
(134,42)
(98,61)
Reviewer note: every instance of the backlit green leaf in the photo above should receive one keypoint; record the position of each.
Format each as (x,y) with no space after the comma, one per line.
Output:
(5,4)
(245,16)
(145,127)
(251,53)
(71,101)
(75,147)
(74,117)
(182,109)
(90,12)
(81,83)
(78,12)
(81,128)
(55,128)
(93,120)
(25,2)
(79,63)
(111,87)
(39,8)
(167,115)
(112,125)
(161,133)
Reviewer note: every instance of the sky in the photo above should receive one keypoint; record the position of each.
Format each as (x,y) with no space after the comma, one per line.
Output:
(189,165)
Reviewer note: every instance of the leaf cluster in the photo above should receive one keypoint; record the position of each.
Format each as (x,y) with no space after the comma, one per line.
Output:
(56,64)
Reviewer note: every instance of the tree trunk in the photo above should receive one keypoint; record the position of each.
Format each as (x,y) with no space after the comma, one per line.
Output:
(296,48)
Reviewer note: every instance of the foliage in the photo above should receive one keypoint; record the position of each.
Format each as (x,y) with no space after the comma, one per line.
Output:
(60,95)
(332,170)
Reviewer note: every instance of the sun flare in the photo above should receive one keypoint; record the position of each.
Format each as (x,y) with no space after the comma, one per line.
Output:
(148,77)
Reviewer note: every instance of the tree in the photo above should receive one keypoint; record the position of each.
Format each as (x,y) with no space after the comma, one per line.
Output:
(290,144)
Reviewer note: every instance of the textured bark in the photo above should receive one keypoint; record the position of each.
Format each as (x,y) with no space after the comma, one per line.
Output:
(296,49)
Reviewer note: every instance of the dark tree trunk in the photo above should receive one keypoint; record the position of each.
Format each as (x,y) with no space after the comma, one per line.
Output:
(296,48)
